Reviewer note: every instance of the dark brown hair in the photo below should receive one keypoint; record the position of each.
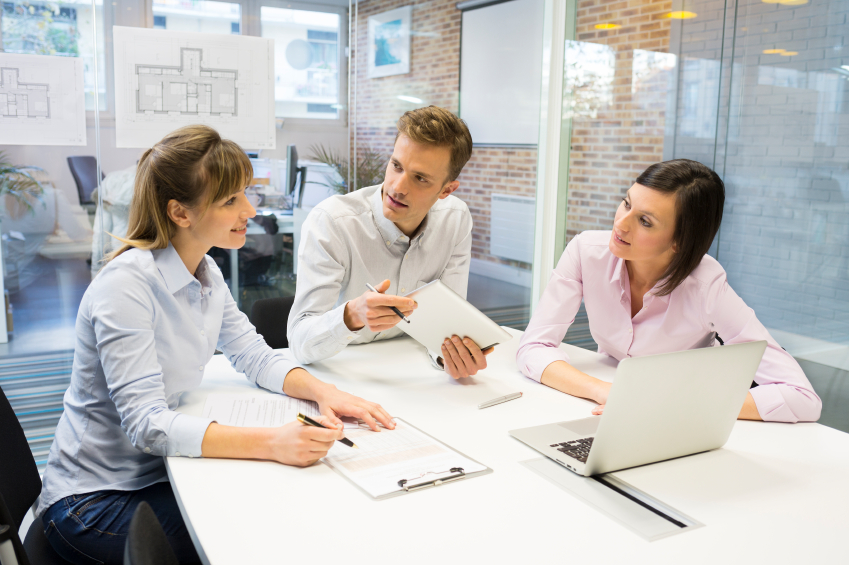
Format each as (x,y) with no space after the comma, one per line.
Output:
(699,200)
(438,126)
(192,165)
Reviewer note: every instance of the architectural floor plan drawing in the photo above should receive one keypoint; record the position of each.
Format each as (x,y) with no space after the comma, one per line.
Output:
(166,79)
(190,88)
(21,99)
(42,100)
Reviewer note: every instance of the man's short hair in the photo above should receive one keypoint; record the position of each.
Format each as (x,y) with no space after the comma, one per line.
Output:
(438,126)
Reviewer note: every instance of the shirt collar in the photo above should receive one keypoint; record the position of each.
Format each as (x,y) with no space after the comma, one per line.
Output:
(175,273)
(388,230)
(620,276)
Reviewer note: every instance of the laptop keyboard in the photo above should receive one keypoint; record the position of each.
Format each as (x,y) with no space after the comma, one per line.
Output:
(577,449)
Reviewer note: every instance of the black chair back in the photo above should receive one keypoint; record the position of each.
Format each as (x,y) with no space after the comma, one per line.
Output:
(84,169)
(20,485)
(19,481)
(270,316)
(146,541)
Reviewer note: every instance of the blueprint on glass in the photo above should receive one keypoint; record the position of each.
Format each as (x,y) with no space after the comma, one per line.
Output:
(42,100)
(167,79)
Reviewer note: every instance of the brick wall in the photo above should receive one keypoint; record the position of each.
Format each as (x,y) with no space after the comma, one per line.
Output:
(435,79)
(618,136)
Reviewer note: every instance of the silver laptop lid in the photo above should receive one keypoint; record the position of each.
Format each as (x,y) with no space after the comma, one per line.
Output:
(673,404)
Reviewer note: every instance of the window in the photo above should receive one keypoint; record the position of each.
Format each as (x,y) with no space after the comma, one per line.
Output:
(61,28)
(306,60)
(203,16)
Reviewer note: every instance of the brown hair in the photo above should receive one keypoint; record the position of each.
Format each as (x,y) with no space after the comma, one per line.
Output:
(700,199)
(192,165)
(438,126)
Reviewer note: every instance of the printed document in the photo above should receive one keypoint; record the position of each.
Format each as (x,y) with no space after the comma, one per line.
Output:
(260,411)
(385,457)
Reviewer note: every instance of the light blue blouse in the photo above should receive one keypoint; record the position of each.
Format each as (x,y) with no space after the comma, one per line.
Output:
(146,328)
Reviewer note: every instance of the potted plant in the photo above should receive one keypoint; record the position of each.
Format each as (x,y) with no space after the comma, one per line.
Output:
(371,168)
(18,187)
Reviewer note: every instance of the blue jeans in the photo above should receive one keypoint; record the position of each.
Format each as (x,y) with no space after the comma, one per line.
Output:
(92,528)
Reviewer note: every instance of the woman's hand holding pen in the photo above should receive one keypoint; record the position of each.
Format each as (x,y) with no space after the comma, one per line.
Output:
(374,310)
(334,403)
(295,444)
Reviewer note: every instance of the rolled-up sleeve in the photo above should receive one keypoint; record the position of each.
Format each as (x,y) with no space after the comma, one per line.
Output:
(122,318)
(540,344)
(784,393)
(316,326)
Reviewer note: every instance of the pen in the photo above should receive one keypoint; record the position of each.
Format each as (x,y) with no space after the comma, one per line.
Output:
(403,317)
(499,400)
(310,422)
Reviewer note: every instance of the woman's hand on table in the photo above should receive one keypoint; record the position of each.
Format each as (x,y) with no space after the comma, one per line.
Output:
(334,403)
(599,410)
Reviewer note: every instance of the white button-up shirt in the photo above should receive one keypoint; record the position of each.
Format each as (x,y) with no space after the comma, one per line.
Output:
(146,328)
(347,242)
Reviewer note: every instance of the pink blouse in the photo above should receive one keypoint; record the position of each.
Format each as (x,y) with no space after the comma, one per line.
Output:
(684,319)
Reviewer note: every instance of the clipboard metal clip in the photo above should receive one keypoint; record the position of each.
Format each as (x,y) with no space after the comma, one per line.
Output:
(457,473)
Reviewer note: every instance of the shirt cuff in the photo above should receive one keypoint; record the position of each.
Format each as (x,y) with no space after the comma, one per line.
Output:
(186,436)
(339,330)
(771,405)
(540,358)
(275,375)
(433,361)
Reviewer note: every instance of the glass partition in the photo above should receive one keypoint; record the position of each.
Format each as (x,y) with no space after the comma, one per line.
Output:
(757,91)
(454,56)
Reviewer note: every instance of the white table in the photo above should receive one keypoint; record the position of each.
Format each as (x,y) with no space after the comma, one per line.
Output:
(776,493)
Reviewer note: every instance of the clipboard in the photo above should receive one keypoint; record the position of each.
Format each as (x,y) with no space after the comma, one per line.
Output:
(382,472)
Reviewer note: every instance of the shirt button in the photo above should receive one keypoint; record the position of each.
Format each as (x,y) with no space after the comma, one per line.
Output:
(177,454)
(403,290)
(202,332)
(191,456)
(388,243)
(201,368)
(349,338)
(630,330)
(147,450)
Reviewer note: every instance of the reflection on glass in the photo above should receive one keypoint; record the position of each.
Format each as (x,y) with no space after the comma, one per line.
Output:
(203,16)
(589,78)
(306,60)
(62,28)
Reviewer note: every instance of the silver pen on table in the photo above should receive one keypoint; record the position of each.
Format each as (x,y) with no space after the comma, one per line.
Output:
(403,317)
(499,400)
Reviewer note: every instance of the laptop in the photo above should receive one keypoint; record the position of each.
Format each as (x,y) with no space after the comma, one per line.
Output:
(660,407)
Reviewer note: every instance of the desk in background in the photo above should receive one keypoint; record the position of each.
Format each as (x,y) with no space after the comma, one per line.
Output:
(776,493)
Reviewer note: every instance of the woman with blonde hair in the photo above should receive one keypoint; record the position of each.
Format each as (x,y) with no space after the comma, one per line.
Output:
(146,328)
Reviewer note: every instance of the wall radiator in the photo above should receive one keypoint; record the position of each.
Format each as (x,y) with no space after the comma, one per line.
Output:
(511,232)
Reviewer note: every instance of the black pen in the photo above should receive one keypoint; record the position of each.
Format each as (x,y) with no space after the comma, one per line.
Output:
(310,422)
(403,317)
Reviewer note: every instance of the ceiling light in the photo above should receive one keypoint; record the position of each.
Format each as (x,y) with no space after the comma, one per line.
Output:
(681,15)
(789,53)
(412,99)
(792,2)
(772,51)
(607,26)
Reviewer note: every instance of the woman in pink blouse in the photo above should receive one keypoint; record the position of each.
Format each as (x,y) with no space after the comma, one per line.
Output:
(649,287)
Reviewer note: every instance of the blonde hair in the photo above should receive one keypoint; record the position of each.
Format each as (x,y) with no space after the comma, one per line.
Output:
(437,126)
(192,165)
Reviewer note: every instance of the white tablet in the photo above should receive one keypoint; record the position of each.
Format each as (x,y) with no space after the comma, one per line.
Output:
(442,313)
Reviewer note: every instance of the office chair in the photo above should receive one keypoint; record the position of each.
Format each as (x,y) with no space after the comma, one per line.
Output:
(270,316)
(84,169)
(20,485)
(146,541)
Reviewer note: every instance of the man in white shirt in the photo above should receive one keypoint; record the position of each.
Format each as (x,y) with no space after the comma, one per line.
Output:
(407,232)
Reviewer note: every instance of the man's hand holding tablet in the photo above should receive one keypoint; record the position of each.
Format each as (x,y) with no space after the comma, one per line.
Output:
(462,357)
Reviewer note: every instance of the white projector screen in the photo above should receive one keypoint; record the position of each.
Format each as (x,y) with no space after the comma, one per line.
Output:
(501,72)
